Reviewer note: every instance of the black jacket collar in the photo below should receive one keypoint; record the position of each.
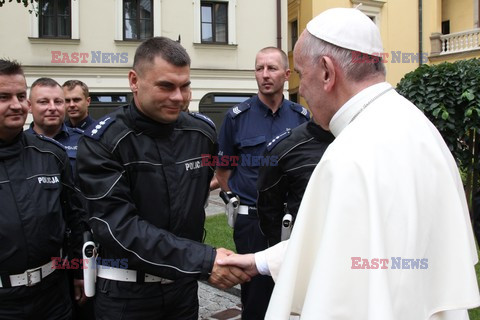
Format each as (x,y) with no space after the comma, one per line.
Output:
(12,148)
(144,124)
(318,133)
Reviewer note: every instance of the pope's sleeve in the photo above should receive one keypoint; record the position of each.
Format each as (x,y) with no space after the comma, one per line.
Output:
(119,228)
(329,229)
(269,261)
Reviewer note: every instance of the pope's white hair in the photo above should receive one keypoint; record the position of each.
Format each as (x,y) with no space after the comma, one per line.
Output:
(314,48)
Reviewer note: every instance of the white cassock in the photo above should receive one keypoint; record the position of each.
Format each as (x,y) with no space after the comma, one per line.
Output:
(386,187)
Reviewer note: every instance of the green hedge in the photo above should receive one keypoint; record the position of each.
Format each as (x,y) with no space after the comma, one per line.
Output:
(449,95)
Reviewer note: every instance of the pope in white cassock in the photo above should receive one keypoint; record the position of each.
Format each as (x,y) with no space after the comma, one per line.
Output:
(383,231)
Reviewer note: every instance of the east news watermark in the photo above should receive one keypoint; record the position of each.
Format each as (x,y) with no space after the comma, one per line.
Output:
(390,57)
(76,263)
(244,160)
(89,57)
(393,263)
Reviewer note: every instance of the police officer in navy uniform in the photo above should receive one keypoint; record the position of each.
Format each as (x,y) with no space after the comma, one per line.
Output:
(246,130)
(47,105)
(38,205)
(77,100)
(281,187)
(141,170)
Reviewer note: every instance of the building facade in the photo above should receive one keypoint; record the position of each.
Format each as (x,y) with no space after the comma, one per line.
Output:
(95,40)
(413,31)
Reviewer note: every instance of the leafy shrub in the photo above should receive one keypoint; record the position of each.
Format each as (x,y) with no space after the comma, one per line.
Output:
(449,95)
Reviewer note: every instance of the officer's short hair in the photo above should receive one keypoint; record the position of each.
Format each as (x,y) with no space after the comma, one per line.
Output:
(169,50)
(44,82)
(282,54)
(71,84)
(10,68)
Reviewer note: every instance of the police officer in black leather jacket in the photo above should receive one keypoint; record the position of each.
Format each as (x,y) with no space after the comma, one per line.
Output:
(141,169)
(281,187)
(39,204)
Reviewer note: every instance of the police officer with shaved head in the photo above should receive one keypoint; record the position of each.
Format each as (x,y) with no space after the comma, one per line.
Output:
(141,171)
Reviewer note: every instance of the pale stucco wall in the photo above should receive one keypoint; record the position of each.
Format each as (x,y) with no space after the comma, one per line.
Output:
(214,68)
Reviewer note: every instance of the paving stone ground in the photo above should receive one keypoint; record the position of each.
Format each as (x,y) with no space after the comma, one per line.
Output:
(218,304)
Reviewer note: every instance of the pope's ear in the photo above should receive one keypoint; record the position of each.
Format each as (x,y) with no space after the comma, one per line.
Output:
(329,73)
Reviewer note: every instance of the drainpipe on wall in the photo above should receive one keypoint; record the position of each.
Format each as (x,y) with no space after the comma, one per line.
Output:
(420,32)
(279,24)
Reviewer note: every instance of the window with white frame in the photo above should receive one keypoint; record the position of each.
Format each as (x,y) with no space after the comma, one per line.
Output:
(214,21)
(54,19)
(214,17)
(137,19)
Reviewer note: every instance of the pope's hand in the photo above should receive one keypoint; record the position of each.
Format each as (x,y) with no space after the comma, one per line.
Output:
(246,262)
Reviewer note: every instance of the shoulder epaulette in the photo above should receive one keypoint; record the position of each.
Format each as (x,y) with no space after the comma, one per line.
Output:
(77,130)
(96,129)
(300,109)
(238,109)
(277,139)
(204,118)
(48,139)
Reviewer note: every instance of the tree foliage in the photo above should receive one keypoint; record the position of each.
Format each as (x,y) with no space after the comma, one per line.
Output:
(24,2)
(449,95)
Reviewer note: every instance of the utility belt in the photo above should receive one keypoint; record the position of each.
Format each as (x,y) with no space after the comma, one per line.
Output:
(92,271)
(128,275)
(247,210)
(28,278)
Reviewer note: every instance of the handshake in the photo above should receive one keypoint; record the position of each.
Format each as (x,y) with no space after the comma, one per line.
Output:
(230,269)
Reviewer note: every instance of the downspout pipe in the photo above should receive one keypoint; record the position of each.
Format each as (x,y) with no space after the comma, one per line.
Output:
(420,32)
(279,24)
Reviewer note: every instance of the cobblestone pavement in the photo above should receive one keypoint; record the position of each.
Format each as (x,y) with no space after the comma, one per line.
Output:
(218,304)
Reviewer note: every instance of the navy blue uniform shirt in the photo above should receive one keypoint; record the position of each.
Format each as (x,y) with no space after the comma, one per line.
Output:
(68,137)
(245,132)
(83,125)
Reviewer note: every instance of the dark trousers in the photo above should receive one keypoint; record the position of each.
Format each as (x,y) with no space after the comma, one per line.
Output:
(83,312)
(48,299)
(131,301)
(476,215)
(255,294)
